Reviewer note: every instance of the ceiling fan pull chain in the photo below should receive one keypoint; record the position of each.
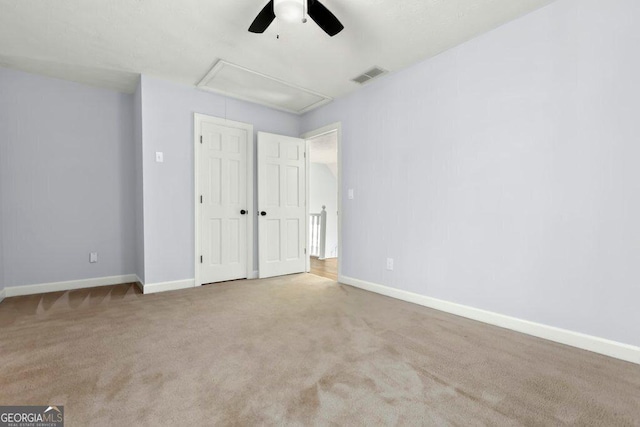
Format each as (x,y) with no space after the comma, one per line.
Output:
(305,8)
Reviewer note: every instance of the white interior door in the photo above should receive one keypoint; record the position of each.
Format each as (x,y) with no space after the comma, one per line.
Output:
(224,205)
(281,205)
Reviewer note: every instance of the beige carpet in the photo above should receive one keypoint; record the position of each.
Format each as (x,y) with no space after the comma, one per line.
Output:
(298,350)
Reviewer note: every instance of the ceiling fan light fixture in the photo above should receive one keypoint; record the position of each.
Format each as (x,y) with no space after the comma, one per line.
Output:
(289,10)
(296,10)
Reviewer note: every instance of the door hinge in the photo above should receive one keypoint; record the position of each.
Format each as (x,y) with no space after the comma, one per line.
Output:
(305,250)
(200,139)
(305,154)
(200,199)
(200,259)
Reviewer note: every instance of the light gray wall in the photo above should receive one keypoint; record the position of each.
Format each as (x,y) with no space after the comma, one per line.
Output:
(503,174)
(67,180)
(139,183)
(167,126)
(3,178)
(2,278)
(323,187)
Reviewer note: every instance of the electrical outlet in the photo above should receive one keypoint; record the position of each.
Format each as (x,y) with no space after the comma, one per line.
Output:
(159,157)
(93,257)
(389,263)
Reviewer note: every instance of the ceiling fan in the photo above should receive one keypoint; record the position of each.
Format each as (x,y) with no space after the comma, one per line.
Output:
(292,10)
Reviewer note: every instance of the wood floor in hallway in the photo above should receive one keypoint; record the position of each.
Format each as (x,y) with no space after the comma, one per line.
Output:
(325,267)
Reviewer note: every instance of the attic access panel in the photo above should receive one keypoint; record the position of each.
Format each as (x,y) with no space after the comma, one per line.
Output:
(238,82)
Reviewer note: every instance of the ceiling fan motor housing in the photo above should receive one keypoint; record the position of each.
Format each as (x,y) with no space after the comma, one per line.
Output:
(289,10)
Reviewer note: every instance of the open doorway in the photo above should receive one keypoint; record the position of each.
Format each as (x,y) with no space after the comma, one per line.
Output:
(323,189)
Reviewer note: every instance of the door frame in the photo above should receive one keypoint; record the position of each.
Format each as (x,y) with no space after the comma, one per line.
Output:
(198,118)
(333,127)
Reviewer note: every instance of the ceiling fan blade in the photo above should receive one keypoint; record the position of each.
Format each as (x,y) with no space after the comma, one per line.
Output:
(264,19)
(324,18)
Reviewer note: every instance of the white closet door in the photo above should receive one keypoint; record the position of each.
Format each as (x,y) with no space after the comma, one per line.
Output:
(223,204)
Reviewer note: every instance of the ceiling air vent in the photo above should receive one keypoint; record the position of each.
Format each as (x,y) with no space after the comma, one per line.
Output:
(371,74)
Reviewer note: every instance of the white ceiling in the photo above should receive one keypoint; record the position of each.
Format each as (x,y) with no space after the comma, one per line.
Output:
(109,42)
(324,150)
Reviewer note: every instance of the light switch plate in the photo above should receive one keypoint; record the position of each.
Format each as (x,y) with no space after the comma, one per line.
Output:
(350,194)
(159,156)
(93,257)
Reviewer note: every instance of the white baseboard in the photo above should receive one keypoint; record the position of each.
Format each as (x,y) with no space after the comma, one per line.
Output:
(254,275)
(41,288)
(610,348)
(152,288)
(139,283)
(2,295)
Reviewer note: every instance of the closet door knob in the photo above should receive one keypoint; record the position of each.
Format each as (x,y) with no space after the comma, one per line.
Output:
(263,213)
(242,212)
